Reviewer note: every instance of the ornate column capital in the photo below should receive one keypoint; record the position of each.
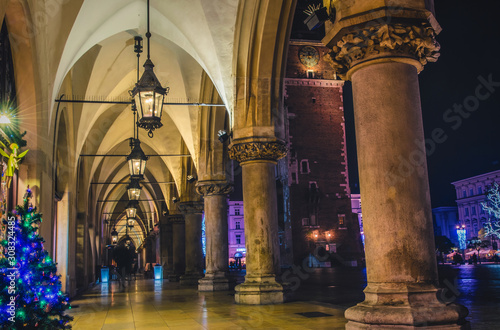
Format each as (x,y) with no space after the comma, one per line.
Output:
(413,43)
(268,150)
(191,207)
(208,188)
(175,218)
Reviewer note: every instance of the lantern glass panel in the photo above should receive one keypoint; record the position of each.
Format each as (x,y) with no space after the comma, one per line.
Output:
(131,212)
(151,103)
(136,167)
(134,193)
(131,222)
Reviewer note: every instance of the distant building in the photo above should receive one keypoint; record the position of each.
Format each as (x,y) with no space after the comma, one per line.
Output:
(445,222)
(470,193)
(236,232)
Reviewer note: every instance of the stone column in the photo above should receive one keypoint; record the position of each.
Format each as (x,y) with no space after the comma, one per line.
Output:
(383,59)
(215,202)
(192,212)
(178,246)
(166,237)
(258,161)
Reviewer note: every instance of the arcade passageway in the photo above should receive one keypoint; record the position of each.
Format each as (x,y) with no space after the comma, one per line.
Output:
(122,153)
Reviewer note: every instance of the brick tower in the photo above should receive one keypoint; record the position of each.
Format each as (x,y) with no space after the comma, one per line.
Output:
(319,195)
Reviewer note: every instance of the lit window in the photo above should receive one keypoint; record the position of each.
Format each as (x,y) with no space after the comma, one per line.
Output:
(310,74)
(236,211)
(238,239)
(341,220)
(237,225)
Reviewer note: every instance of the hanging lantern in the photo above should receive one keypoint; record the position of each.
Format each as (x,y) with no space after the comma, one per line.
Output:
(131,209)
(134,189)
(136,160)
(149,94)
(131,222)
(114,236)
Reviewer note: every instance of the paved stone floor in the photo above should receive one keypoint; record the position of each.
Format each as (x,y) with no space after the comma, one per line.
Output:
(322,295)
(145,304)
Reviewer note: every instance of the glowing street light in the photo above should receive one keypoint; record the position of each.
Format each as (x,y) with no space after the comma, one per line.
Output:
(4,119)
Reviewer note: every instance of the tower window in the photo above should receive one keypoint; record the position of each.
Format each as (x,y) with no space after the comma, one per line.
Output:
(236,211)
(238,239)
(237,225)
(304,166)
(310,74)
(341,218)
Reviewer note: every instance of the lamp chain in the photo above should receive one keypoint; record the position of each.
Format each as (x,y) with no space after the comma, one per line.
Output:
(148,34)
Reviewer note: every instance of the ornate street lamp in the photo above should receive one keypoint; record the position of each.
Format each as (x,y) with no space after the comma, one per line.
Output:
(136,160)
(131,209)
(134,189)
(149,94)
(131,222)
(114,236)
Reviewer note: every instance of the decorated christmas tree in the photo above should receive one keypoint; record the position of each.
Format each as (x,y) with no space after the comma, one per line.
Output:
(31,295)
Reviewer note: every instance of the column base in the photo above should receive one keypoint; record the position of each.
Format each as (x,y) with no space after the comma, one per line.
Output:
(405,306)
(259,290)
(190,279)
(171,276)
(214,282)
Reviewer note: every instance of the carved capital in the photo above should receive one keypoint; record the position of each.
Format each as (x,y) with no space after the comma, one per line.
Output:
(257,150)
(191,207)
(208,188)
(173,218)
(415,42)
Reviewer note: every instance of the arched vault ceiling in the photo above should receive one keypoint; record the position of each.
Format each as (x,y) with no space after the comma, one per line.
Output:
(114,74)
(114,140)
(204,30)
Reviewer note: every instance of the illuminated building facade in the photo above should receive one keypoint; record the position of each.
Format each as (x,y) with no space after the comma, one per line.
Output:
(471,192)
(236,233)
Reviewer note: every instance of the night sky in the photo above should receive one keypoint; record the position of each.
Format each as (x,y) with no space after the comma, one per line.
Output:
(470,48)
